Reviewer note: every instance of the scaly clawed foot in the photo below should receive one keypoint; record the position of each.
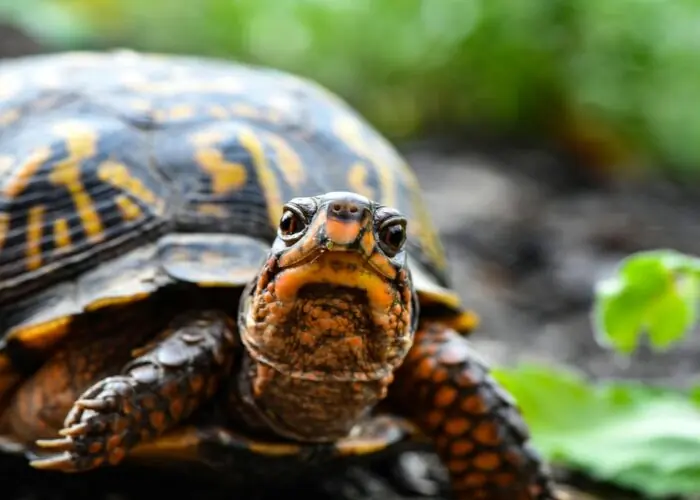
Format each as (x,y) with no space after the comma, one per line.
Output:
(102,425)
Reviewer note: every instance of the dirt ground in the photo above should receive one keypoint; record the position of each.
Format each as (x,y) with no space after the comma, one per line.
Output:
(527,240)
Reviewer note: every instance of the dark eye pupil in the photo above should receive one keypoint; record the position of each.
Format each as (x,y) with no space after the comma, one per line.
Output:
(288,223)
(394,236)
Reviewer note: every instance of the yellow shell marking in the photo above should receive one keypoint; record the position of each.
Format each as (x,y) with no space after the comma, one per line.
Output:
(212,209)
(42,335)
(115,301)
(427,236)
(386,179)
(226,176)
(361,447)
(81,142)
(290,164)
(207,138)
(4,227)
(35,227)
(226,85)
(181,112)
(129,209)
(266,176)
(274,449)
(246,111)
(380,154)
(24,173)
(218,112)
(9,117)
(117,175)
(349,130)
(61,234)
(159,115)
(357,180)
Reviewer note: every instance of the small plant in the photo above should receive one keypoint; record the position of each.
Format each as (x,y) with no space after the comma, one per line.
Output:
(641,437)
(654,293)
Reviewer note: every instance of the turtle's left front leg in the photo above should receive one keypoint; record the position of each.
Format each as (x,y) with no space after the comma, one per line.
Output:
(477,429)
(163,384)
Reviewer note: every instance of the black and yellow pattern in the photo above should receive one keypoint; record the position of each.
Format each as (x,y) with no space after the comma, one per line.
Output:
(111,164)
(97,150)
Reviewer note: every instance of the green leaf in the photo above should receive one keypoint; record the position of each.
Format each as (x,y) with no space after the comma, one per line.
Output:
(638,437)
(653,292)
(695,395)
(673,313)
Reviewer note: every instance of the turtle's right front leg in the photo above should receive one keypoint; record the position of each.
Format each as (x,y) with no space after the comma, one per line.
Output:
(166,381)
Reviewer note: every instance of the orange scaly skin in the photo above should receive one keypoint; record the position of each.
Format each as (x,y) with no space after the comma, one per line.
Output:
(477,429)
(162,384)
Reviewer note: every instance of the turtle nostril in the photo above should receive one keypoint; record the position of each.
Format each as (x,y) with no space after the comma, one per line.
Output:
(346,210)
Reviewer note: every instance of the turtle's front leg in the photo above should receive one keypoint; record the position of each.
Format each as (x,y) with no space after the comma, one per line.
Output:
(476,427)
(163,384)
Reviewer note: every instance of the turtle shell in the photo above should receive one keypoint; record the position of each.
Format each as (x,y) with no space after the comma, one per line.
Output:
(122,172)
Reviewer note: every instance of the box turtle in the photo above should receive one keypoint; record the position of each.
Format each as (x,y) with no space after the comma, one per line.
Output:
(185,237)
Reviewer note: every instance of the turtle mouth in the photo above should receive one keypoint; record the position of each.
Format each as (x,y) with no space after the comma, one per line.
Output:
(330,318)
(353,255)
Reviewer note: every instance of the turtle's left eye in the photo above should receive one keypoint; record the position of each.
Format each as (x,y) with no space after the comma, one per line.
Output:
(392,236)
(291,223)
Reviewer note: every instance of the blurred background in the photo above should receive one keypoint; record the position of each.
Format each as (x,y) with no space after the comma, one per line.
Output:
(551,138)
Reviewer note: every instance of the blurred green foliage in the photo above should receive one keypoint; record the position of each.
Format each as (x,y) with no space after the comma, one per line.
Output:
(643,438)
(626,70)
(654,292)
(633,435)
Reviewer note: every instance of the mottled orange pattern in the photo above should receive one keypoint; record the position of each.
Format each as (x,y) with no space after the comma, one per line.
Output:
(475,425)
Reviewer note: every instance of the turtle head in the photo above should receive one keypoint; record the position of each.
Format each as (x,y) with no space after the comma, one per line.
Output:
(334,300)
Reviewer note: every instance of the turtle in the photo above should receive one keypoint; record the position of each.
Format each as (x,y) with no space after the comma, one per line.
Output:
(205,258)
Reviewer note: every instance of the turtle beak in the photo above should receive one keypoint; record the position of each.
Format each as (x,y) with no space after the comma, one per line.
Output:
(347,221)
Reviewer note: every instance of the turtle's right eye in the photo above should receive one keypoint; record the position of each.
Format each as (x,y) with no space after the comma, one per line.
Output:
(291,223)
(392,236)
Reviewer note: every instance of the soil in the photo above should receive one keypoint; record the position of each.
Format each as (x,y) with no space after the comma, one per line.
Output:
(528,240)
(528,235)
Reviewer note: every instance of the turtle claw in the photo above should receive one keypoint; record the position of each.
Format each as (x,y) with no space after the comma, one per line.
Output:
(63,444)
(75,430)
(100,428)
(155,391)
(62,462)
(106,396)
(95,404)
